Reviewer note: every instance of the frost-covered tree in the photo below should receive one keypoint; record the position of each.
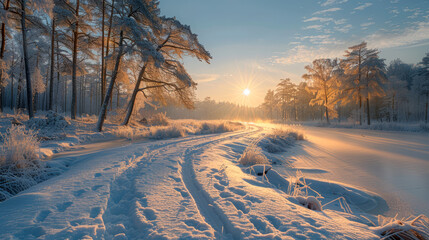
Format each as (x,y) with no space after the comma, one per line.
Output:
(354,69)
(25,11)
(375,76)
(397,88)
(168,80)
(286,96)
(423,72)
(322,74)
(136,22)
(269,103)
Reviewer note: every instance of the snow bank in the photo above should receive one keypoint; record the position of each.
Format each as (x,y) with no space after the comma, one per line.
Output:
(280,138)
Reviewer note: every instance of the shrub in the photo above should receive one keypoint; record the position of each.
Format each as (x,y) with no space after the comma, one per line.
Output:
(410,228)
(20,147)
(252,156)
(173,131)
(279,139)
(19,164)
(159,119)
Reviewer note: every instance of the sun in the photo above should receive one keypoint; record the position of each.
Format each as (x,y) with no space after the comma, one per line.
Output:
(246,92)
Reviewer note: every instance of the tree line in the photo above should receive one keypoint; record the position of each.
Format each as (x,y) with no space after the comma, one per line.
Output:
(92,56)
(359,87)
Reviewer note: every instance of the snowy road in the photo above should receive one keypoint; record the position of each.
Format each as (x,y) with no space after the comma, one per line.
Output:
(393,164)
(185,188)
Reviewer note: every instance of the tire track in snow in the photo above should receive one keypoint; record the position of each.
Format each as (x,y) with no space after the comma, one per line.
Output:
(126,204)
(212,214)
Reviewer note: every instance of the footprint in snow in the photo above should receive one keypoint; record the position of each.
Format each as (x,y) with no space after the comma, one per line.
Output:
(96,187)
(175,178)
(276,222)
(260,225)
(237,191)
(63,206)
(253,199)
(197,225)
(78,193)
(182,192)
(149,214)
(219,187)
(42,215)
(97,175)
(225,194)
(95,212)
(239,205)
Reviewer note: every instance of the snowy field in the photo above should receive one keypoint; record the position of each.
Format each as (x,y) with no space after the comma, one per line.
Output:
(316,184)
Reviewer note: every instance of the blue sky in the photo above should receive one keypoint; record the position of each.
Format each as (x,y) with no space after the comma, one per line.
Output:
(256,43)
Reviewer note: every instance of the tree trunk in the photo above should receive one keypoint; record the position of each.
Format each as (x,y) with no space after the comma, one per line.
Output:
(427,103)
(103,82)
(130,106)
(367,111)
(75,39)
(2,47)
(57,99)
(2,50)
(51,77)
(27,67)
(360,109)
(104,70)
(103,110)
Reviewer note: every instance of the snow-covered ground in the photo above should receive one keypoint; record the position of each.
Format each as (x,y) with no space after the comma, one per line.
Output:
(194,188)
(393,164)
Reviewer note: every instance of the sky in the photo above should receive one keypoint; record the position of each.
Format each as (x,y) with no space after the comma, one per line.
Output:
(255,43)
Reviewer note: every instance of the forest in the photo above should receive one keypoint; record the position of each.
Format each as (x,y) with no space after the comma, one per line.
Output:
(93,57)
(359,88)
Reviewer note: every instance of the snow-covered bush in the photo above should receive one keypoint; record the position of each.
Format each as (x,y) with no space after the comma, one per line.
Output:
(159,119)
(279,139)
(19,164)
(252,156)
(20,147)
(403,229)
(209,127)
(50,127)
(172,131)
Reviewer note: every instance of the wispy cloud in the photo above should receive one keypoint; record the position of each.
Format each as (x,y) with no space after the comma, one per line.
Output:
(306,54)
(340,21)
(413,35)
(327,11)
(204,78)
(318,19)
(367,24)
(316,27)
(363,6)
(343,29)
(331,2)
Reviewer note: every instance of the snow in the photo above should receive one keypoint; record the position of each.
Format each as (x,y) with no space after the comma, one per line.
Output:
(193,187)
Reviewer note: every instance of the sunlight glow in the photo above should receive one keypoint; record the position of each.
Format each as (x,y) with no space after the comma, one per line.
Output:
(246,92)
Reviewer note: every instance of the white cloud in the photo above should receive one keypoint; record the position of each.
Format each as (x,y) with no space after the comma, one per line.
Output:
(394,11)
(363,6)
(316,27)
(203,78)
(412,35)
(327,10)
(305,54)
(331,2)
(367,24)
(343,29)
(318,19)
(340,21)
